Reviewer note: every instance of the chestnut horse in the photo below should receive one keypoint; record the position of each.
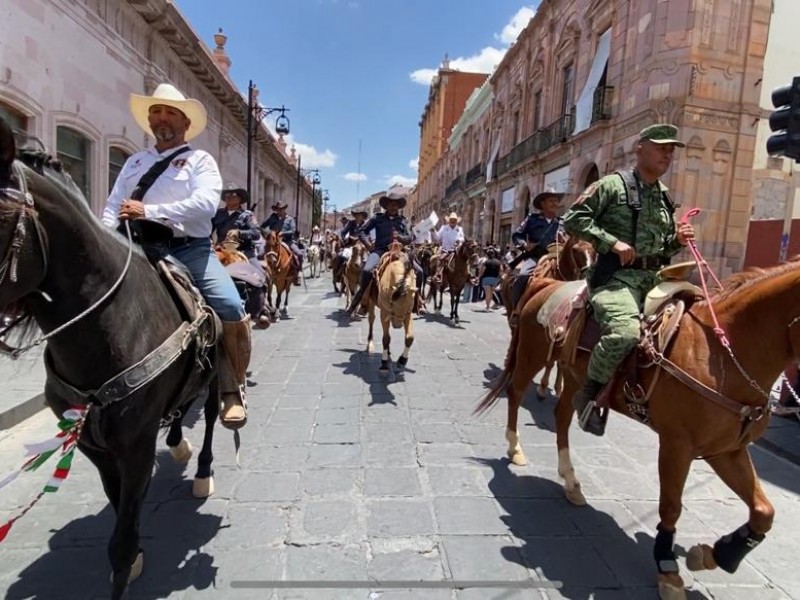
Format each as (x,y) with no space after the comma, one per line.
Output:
(352,272)
(713,417)
(455,275)
(281,269)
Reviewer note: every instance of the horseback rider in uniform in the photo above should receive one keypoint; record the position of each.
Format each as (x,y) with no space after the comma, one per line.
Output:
(449,236)
(349,235)
(185,196)
(629,218)
(285,226)
(537,232)
(236,216)
(388,226)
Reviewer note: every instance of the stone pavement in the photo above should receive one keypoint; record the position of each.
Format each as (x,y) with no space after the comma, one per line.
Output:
(349,477)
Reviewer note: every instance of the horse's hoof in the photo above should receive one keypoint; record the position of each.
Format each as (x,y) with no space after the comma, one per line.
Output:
(136,569)
(575,496)
(670,587)
(517,458)
(700,558)
(182,452)
(203,487)
(402,362)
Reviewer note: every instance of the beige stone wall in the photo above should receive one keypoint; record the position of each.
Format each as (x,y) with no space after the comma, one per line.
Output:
(75,63)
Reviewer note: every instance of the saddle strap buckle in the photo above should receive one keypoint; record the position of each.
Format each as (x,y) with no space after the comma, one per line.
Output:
(634,393)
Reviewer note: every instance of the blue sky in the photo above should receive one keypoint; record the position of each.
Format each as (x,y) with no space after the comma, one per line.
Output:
(353,70)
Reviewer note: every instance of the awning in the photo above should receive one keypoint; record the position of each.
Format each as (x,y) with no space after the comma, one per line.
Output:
(583,108)
(492,158)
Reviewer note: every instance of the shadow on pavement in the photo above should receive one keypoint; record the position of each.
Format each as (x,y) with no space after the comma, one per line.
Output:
(583,548)
(366,367)
(173,536)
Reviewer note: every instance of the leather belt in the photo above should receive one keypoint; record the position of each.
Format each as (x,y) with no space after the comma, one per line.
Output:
(178,242)
(646,262)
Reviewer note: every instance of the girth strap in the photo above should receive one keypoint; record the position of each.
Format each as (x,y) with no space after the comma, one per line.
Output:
(136,376)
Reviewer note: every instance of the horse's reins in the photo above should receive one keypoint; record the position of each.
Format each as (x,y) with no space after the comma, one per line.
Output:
(9,264)
(745,411)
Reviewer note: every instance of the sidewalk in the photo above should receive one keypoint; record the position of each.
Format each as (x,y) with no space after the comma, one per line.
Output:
(22,388)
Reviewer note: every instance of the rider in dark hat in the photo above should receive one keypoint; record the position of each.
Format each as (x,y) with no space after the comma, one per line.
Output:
(236,216)
(285,225)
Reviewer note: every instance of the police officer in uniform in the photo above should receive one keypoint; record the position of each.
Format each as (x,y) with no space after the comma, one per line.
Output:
(537,232)
(388,226)
(629,218)
(285,226)
(236,216)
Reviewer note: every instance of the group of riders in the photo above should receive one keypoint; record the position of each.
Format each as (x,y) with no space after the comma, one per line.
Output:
(627,216)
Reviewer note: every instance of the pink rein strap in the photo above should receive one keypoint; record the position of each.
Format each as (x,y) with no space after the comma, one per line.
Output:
(702,265)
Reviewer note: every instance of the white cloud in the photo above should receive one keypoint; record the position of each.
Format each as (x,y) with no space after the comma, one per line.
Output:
(311,157)
(515,26)
(488,58)
(355,177)
(414,164)
(401,180)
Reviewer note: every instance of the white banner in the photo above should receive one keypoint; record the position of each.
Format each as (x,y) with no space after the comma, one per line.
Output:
(583,108)
(426,225)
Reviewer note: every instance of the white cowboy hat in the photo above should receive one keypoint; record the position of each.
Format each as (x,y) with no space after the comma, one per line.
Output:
(452,216)
(169,95)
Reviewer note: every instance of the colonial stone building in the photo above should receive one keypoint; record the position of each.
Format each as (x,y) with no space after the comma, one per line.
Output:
(584,77)
(68,67)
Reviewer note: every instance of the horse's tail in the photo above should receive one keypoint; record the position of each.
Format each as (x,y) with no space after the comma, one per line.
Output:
(498,386)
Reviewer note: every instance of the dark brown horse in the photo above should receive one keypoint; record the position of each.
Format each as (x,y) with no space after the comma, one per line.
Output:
(103,310)
(455,274)
(718,407)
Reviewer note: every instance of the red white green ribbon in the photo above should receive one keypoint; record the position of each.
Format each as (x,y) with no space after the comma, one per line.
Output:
(37,454)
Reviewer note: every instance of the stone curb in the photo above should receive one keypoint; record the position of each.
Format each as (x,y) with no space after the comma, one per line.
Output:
(24,410)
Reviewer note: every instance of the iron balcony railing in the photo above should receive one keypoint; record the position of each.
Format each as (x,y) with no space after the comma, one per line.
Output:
(475,174)
(455,185)
(555,133)
(601,103)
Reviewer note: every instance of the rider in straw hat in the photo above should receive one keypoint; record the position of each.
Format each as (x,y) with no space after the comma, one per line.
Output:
(235,216)
(185,196)
(449,236)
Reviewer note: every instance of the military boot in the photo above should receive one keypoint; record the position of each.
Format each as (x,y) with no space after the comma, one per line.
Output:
(233,365)
(517,291)
(584,403)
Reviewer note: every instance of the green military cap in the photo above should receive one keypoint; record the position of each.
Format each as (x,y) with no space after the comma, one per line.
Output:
(661,133)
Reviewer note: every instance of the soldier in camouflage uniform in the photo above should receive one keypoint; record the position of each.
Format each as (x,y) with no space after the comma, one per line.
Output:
(628,217)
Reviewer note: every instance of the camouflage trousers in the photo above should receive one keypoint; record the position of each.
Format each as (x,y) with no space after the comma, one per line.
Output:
(617,306)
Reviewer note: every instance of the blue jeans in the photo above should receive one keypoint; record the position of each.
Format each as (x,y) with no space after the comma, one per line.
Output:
(211,279)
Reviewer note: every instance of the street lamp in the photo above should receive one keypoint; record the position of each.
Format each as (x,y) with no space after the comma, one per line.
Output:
(313,176)
(324,207)
(255,113)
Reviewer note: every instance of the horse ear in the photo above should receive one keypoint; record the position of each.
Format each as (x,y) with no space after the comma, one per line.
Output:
(8,150)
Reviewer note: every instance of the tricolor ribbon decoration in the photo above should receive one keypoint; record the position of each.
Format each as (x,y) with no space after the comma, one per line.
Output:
(39,453)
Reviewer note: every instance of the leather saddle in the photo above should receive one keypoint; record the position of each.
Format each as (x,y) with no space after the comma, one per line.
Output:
(154,236)
(570,323)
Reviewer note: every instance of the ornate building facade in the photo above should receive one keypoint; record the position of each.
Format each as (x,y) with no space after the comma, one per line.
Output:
(585,76)
(69,67)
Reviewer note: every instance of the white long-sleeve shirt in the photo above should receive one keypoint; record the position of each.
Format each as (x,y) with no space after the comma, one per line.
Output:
(185,196)
(449,237)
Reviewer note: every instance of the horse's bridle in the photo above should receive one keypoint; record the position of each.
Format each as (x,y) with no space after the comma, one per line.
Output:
(18,240)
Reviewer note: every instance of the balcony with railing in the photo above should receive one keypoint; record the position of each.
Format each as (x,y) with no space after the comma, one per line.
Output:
(475,174)
(455,185)
(544,139)
(601,103)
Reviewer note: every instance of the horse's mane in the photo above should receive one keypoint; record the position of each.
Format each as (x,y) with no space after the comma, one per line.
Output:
(739,282)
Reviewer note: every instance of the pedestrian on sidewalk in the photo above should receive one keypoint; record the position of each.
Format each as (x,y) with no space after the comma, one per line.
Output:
(489,277)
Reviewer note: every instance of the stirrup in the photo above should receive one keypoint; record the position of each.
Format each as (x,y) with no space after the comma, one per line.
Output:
(586,414)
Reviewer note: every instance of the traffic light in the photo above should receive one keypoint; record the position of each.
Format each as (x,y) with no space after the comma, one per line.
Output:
(785,121)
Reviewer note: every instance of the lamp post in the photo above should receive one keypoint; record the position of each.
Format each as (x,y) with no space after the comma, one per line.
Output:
(324,207)
(255,113)
(313,174)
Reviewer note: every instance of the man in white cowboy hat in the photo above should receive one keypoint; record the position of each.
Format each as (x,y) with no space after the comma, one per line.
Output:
(184,195)
(236,217)
(316,238)
(449,236)
(284,224)
(536,233)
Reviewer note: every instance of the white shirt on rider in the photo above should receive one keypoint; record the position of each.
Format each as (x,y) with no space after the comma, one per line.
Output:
(185,196)
(316,238)
(450,237)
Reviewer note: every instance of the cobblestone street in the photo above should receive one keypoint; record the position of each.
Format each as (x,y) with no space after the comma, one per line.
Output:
(351,477)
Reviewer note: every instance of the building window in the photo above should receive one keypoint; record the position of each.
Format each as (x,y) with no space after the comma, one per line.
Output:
(13,117)
(74,151)
(568,73)
(116,160)
(515,139)
(537,110)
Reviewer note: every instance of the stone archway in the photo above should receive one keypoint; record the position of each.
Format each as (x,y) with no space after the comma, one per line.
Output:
(592,175)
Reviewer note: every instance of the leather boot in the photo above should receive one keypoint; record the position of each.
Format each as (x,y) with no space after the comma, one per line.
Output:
(362,286)
(589,417)
(517,291)
(234,360)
